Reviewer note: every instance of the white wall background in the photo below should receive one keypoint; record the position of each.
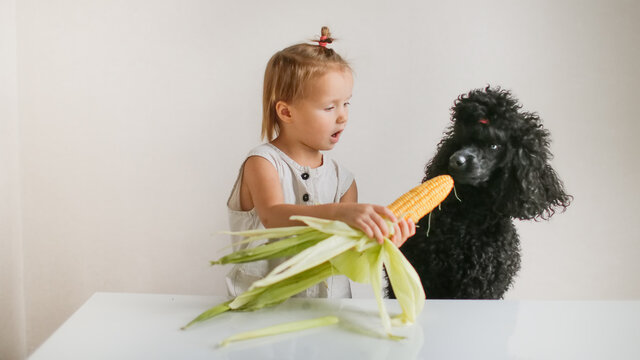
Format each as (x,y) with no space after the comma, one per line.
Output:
(12,305)
(122,129)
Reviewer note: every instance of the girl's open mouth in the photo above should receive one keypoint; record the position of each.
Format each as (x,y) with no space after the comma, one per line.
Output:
(335,136)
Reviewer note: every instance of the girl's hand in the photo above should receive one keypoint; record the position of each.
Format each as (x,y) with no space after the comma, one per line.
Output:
(404,229)
(370,219)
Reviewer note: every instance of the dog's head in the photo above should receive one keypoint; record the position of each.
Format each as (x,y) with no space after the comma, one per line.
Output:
(494,147)
(483,127)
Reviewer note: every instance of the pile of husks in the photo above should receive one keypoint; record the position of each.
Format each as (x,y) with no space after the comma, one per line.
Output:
(324,248)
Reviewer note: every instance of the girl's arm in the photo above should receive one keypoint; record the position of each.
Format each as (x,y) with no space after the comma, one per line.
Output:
(261,189)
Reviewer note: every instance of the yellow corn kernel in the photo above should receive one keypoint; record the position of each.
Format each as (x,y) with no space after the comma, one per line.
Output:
(423,198)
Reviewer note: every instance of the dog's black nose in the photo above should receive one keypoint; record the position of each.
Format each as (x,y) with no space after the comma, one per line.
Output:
(457,161)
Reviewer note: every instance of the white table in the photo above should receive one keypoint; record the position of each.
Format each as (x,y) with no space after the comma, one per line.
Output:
(144,326)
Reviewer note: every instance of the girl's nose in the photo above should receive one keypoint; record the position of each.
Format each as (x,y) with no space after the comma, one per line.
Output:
(343,116)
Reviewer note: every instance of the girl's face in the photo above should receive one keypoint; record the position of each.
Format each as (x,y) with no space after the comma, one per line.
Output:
(319,119)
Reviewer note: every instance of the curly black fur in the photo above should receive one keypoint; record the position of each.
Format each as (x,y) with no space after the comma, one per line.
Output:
(499,159)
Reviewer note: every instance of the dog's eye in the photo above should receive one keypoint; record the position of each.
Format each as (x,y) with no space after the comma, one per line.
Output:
(494,146)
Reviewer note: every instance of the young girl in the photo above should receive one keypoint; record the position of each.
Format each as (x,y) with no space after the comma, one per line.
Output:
(306,95)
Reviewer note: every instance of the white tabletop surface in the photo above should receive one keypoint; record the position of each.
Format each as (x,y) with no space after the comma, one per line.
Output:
(146,326)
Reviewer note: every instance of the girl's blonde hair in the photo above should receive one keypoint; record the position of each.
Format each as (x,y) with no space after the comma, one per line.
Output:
(287,73)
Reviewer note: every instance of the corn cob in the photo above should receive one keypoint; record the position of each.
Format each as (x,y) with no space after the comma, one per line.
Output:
(423,198)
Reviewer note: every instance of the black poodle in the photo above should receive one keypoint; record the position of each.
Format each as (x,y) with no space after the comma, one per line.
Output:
(499,158)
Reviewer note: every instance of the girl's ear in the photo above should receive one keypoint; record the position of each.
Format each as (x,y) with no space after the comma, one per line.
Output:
(283,110)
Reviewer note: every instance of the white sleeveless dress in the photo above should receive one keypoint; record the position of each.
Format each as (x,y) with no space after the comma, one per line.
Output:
(301,185)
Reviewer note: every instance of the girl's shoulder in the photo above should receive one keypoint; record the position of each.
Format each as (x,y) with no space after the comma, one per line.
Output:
(265,148)
(277,157)
(267,151)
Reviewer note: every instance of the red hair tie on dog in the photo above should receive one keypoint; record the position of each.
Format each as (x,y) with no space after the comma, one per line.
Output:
(483,121)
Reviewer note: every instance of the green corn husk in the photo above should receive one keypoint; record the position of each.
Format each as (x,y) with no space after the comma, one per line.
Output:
(319,250)
(216,310)
(259,297)
(405,282)
(281,248)
(308,258)
(282,329)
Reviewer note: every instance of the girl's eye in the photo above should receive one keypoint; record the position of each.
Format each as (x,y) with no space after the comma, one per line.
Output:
(329,108)
(347,104)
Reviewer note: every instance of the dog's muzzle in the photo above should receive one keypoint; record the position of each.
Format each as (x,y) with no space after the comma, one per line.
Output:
(464,168)
(460,161)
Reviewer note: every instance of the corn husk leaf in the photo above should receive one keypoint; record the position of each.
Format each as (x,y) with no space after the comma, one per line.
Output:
(282,248)
(271,233)
(375,277)
(267,296)
(329,226)
(261,234)
(321,252)
(405,282)
(356,265)
(259,297)
(282,329)
(216,310)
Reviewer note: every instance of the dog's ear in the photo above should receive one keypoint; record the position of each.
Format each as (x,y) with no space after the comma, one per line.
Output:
(532,189)
(439,164)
